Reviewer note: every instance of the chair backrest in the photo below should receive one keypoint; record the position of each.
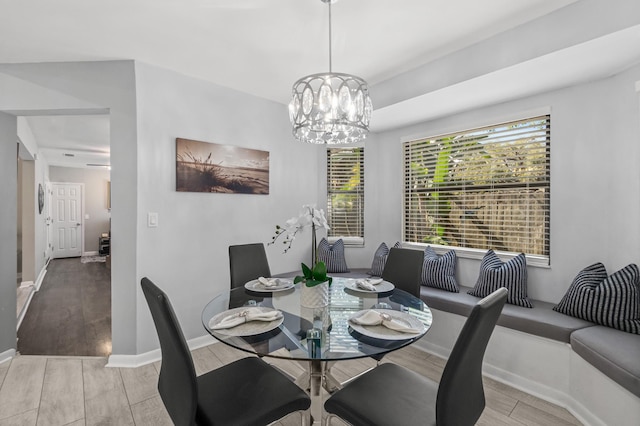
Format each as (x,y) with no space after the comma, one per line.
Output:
(460,398)
(404,269)
(247,262)
(177,382)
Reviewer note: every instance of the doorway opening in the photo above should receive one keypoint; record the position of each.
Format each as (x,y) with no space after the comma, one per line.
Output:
(70,311)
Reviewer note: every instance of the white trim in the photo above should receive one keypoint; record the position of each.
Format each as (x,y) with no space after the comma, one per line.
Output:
(471,253)
(637,86)
(348,241)
(7,355)
(90,253)
(135,361)
(41,275)
(484,122)
(23,312)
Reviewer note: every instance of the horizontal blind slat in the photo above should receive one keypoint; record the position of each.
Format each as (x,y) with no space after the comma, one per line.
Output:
(481,188)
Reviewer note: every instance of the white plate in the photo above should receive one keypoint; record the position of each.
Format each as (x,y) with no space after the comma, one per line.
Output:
(250,328)
(257,286)
(382,332)
(383,287)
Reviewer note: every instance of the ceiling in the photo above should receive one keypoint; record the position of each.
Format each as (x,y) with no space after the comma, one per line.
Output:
(256,46)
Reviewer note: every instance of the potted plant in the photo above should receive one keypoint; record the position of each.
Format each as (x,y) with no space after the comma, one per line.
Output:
(315,288)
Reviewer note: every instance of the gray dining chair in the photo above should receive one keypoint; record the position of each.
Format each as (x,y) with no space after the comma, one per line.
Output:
(404,269)
(246,392)
(390,394)
(247,262)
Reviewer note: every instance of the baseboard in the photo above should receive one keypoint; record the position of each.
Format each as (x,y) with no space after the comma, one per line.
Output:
(7,355)
(41,275)
(23,312)
(90,253)
(134,361)
(25,284)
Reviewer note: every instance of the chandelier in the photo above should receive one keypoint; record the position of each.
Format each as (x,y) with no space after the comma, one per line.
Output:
(329,107)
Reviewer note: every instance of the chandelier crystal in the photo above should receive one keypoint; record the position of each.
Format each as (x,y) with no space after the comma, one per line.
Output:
(330,108)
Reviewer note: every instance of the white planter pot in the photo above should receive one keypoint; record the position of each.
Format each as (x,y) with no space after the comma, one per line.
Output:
(314,297)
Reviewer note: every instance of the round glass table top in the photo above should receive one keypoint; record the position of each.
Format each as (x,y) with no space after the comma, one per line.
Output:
(324,333)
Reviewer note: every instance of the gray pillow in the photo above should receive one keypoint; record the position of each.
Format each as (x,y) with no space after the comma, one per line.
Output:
(332,255)
(440,271)
(612,301)
(511,274)
(379,260)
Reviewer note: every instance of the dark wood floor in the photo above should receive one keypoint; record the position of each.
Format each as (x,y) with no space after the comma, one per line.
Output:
(71,314)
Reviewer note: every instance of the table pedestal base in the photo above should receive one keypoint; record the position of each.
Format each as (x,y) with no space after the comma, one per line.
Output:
(319,381)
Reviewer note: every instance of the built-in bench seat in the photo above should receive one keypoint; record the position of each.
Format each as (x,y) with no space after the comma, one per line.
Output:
(615,353)
(540,320)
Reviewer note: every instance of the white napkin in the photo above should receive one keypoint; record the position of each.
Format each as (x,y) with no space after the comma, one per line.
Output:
(380,318)
(245,315)
(368,283)
(273,283)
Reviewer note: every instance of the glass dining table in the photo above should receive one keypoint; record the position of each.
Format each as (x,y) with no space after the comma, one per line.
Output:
(320,336)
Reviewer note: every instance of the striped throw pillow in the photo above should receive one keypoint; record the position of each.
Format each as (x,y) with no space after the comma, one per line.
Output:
(511,274)
(379,260)
(332,255)
(440,271)
(612,301)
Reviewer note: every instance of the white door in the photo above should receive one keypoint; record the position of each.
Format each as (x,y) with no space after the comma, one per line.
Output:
(67,219)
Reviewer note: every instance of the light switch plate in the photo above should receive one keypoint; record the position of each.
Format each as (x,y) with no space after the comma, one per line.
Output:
(152,220)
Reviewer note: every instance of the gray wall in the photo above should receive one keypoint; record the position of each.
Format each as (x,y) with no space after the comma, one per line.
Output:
(95,199)
(41,252)
(8,225)
(187,254)
(28,212)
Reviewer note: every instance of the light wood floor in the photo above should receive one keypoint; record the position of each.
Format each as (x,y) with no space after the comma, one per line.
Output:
(39,390)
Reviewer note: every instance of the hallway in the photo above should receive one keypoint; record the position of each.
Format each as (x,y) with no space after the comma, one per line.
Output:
(71,314)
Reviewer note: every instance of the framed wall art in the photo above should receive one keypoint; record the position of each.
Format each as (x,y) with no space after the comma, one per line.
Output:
(212,167)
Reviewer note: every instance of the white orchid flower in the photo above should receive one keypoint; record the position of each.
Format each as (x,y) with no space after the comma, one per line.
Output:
(319,219)
(310,216)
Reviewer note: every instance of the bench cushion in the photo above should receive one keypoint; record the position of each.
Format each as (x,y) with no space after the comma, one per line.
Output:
(542,320)
(615,353)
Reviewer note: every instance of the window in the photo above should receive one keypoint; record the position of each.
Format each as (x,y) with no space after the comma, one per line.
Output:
(482,189)
(345,194)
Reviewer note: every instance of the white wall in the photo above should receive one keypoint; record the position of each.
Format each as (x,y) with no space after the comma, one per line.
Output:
(187,254)
(95,199)
(595,179)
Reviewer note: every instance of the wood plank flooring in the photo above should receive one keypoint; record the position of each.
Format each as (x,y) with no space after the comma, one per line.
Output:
(57,391)
(71,313)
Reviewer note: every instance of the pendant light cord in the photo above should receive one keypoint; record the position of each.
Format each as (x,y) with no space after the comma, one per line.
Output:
(330,64)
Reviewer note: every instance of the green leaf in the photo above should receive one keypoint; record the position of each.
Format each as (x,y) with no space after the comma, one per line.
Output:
(306,271)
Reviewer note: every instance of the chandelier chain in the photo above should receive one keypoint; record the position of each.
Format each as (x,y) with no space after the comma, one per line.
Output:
(330,62)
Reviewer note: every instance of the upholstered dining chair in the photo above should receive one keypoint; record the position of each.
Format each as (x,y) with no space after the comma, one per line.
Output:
(247,262)
(404,269)
(246,392)
(391,394)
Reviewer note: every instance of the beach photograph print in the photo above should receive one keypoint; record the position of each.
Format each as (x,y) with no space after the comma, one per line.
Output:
(212,167)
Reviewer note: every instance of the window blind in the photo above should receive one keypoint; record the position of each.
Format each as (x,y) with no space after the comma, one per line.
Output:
(345,193)
(486,188)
